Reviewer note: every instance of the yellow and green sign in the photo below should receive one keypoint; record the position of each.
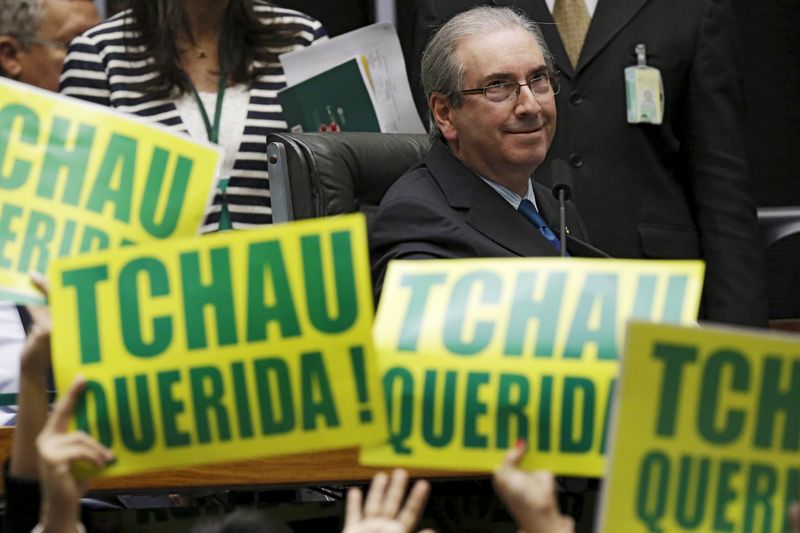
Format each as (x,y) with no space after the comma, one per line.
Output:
(77,177)
(477,353)
(707,431)
(231,346)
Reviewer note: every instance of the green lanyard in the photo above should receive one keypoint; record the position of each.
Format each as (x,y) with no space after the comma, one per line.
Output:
(212,129)
(213,135)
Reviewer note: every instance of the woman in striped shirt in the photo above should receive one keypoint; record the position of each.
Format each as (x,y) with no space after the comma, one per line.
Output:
(209,69)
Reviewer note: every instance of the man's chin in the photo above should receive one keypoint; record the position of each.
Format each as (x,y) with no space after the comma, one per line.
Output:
(529,160)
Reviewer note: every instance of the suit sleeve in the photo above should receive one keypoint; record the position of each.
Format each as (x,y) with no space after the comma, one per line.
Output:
(715,158)
(411,229)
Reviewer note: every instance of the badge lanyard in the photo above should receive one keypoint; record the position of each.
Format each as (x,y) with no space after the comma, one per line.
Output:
(213,135)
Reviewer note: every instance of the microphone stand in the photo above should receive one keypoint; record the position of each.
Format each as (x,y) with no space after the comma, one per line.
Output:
(562,210)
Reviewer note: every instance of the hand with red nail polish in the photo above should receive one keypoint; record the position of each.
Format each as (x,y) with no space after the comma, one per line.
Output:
(530,496)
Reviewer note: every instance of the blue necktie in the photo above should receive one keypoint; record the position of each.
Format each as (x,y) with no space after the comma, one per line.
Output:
(533,216)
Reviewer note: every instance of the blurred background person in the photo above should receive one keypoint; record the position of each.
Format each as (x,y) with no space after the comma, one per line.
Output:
(35,35)
(669,189)
(209,69)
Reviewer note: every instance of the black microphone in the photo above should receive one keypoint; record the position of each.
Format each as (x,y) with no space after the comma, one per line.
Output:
(561,178)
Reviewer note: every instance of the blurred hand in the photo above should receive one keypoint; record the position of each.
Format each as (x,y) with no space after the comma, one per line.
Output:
(58,451)
(794,517)
(33,375)
(384,510)
(35,362)
(530,496)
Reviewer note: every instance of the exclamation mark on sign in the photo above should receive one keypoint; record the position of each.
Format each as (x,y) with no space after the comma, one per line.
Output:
(357,358)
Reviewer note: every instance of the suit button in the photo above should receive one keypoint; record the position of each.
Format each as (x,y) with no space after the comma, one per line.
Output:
(575,98)
(575,160)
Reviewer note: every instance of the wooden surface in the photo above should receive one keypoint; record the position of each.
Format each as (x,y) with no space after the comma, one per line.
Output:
(785,324)
(320,468)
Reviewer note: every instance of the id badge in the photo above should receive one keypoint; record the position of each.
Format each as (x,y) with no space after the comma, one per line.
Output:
(644,91)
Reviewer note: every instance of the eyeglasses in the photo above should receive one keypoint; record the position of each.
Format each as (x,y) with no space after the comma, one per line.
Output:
(541,84)
(30,39)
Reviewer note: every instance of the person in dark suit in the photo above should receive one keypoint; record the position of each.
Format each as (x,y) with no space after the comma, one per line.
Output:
(675,190)
(491,92)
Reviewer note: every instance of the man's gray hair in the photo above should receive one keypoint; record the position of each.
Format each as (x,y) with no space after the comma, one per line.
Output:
(21,17)
(442,70)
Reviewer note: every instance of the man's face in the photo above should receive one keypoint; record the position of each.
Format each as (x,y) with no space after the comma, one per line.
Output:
(502,141)
(40,63)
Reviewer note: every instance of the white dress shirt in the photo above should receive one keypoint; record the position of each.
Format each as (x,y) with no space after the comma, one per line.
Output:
(12,339)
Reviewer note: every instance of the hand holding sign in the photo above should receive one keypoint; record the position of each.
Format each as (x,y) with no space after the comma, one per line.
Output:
(530,496)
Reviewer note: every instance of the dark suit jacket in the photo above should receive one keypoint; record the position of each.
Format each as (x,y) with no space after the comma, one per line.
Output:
(669,191)
(440,209)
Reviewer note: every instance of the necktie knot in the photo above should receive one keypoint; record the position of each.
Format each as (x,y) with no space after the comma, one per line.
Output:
(572,19)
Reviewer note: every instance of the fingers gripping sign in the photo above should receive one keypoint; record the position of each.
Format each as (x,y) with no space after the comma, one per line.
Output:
(530,496)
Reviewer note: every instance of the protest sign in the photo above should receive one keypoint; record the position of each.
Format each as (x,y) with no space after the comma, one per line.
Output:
(231,346)
(476,353)
(706,431)
(77,177)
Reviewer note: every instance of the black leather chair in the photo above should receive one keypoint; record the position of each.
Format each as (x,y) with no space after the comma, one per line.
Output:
(320,174)
(780,231)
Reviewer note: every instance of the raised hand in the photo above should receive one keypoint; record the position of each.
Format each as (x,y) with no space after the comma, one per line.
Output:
(385,510)
(58,452)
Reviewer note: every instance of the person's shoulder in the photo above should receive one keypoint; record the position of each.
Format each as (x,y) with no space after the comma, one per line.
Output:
(416,185)
(296,28)
(112,30)
(115,25)
(271,14)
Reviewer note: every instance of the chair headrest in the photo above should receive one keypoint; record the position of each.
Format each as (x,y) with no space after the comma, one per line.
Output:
(334,173)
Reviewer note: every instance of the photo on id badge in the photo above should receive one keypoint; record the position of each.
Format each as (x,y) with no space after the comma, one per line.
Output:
(644,92)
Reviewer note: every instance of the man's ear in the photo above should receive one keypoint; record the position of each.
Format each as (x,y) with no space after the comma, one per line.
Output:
(442,110)
(10,65)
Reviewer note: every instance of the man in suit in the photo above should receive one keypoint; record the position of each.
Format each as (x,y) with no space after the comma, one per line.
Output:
(675,190)
(491,93)
(490,87)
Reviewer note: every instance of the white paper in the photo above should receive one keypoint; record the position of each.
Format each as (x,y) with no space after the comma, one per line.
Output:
(380,45)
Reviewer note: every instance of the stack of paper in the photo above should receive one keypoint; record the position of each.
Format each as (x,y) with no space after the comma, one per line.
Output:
(353,82)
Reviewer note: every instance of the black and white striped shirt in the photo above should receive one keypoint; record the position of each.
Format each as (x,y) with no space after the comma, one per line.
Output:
(98,68)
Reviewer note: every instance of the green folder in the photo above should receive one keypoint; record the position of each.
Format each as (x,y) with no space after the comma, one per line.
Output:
(339,99)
